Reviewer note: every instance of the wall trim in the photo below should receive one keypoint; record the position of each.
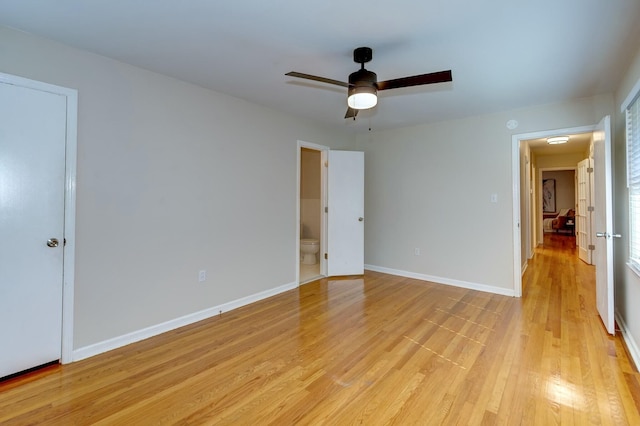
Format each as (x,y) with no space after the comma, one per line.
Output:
(632,346)
(154,330)
(441,280)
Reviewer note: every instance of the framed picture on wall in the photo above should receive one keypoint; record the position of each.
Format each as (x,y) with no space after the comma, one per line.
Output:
(548,195)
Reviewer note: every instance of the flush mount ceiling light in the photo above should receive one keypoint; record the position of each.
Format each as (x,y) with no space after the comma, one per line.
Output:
(556,140)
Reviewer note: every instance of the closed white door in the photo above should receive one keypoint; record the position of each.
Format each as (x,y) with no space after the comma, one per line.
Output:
(603,223)
(583,215)
(345,245)
(32,177)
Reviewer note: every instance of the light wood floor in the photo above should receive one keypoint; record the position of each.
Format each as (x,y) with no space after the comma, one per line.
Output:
(373,350)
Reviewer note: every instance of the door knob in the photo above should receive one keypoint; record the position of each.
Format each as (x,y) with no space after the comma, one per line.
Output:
(607,235)
(52,242)
(360,219)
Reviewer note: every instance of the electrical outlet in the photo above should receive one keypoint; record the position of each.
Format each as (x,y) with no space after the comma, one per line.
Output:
(416,251)
(202,276)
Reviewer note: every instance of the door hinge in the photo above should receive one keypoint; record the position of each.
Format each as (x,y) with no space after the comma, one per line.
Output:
(326,209)
(589,169)
(64,242)
(591,209)
(326,164)
(326,255)
(591,247)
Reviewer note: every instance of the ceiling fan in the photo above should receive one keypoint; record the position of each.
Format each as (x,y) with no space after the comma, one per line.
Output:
(363,85)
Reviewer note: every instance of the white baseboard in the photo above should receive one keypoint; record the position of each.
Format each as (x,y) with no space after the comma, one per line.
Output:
(632,346)
(441,280)
(154,330)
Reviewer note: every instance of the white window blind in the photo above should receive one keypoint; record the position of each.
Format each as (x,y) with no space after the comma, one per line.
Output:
(633,170)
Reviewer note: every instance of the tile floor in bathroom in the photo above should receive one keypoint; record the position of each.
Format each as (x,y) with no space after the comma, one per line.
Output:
(309,272)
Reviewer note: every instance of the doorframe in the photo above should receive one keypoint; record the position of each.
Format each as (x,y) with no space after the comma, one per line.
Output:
(68,263)
(517,226)
(324,157)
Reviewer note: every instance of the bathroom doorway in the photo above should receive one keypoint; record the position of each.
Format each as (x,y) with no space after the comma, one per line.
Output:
(311,263)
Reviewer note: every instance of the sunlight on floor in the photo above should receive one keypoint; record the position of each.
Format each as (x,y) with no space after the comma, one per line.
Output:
(564,393)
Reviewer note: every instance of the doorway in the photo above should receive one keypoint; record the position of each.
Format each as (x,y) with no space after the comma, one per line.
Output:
(600,151)
(527,209)
(556,210)
(312,220)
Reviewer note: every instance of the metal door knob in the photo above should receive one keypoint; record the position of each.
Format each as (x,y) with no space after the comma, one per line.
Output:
(607,235)
(52,242)
(360,219)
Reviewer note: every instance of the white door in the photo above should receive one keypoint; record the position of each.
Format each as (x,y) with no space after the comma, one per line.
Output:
(32,177)
(345,245)
(603,222)
(583,215)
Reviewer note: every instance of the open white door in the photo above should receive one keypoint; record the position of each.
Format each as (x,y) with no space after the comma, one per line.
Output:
(603,214)
(583,213)
(345,248)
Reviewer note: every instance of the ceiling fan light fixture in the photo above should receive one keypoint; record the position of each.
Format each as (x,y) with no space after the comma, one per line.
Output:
(362,97)
(363,90)
(556,140)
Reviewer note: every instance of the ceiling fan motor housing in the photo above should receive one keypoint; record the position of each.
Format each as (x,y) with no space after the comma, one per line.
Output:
(363,78)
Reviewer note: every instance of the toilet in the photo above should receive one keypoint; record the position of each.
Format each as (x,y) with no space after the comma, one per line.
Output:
(308,249)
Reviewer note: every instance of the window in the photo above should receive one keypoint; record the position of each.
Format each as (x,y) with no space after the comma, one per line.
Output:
(633,179)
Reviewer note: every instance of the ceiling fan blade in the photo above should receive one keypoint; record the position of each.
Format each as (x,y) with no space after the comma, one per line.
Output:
(351,113)
(416,80)
(316,78)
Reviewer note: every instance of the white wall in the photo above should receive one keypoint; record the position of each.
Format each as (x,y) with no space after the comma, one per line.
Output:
(560,160)
(172,179)
(627,287)
(429,187)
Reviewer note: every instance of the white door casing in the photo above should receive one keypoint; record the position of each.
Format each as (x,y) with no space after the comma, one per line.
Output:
(345,246)
(583,215)
(37,203)
(603,219)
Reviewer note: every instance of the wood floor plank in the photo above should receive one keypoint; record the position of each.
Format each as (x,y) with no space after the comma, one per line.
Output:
(373,350)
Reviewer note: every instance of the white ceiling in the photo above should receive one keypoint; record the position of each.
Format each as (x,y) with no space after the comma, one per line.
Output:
(577,144)
(504,54)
